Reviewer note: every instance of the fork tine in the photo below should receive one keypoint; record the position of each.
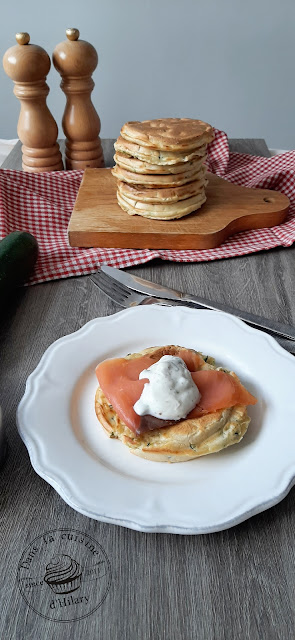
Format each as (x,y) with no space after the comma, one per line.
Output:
(100,285)
(118,286)
(110,286)
(120,294)
(100,276)
(105,286)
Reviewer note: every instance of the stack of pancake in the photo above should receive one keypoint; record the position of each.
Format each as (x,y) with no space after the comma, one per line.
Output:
(160,167)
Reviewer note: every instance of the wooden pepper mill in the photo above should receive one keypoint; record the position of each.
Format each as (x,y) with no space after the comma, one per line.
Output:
(28,65)
(76,60)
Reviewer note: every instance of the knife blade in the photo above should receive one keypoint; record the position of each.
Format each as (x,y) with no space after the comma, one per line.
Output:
(159,291)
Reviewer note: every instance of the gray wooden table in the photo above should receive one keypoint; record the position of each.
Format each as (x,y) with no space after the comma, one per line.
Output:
(239,583)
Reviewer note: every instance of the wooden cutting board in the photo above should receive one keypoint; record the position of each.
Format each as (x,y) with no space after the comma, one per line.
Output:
(98,221)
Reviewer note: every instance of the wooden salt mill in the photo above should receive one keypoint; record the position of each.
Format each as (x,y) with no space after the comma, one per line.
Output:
(28,65)
(76,60)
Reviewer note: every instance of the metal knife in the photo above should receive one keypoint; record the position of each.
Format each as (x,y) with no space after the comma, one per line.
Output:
(159,291)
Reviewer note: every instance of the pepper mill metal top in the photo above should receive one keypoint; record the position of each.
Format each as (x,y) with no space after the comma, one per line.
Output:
(75,60)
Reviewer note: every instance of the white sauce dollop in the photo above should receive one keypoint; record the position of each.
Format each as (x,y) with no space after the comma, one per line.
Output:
(170,393)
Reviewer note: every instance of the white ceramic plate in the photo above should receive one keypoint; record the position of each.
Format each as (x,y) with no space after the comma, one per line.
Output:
(99,477)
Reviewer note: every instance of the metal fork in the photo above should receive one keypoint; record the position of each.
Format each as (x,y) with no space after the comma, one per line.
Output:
(118,292)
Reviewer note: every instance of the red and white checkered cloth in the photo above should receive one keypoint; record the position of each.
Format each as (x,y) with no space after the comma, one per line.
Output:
(42,204)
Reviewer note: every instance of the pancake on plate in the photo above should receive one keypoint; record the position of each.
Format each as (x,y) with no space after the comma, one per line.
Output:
(219,419)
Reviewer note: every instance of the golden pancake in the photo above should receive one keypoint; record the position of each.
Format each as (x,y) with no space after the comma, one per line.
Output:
(150,180)
(168,211)
(174,194)
(184,440)
(138,166)
(168,134)
(155,156)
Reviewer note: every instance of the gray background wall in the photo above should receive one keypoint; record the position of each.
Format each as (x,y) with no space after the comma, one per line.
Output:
(229,62)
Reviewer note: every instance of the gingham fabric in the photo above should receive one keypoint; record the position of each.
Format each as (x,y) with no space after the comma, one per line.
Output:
(42,204)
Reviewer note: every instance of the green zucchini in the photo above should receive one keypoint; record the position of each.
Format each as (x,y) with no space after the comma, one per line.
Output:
(18,255)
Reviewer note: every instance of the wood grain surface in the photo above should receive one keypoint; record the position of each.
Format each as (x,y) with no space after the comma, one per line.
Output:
(98,221)
(236,584)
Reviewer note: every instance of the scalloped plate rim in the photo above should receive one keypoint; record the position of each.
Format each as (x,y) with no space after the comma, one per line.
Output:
(283,489)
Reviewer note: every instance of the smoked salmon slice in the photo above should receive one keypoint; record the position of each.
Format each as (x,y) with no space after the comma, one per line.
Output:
(118,379)
(218,390)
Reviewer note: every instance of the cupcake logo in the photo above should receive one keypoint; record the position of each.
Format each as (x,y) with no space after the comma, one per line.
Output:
(64,575)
